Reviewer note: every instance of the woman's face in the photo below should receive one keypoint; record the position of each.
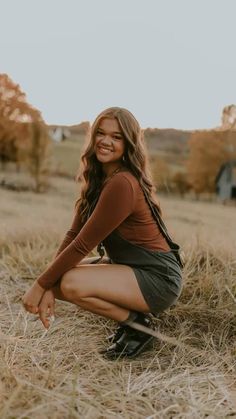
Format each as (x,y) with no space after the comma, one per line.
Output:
(109,141)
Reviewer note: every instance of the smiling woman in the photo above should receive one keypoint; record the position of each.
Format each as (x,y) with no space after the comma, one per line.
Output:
(117,212)
(109,145)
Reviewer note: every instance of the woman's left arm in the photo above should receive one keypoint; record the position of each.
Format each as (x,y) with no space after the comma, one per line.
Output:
(116,203)
(32,298)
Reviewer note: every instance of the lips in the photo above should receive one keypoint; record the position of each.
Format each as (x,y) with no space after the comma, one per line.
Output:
(104,150)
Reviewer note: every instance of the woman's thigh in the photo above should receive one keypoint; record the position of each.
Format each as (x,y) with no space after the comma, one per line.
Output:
(114,283)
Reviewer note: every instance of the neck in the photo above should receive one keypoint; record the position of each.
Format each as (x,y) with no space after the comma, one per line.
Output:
(112,173)
(109,171)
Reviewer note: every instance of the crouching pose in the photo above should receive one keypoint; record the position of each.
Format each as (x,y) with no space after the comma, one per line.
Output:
(116,211)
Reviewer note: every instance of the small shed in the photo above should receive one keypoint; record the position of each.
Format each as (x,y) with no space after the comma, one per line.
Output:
(226,181)
(59,133)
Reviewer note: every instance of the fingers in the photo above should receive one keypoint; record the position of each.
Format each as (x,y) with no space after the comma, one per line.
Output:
(52,308)
(43,315)
(30,308)
(45,308)
(45,312)
(32,298)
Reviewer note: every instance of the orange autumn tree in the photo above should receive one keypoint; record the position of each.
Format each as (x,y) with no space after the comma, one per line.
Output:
(16,134)
(208,150)
(180,183)
(160,173)
(38,156)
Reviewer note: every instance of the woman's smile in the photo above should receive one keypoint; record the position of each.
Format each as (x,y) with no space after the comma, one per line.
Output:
(104,150)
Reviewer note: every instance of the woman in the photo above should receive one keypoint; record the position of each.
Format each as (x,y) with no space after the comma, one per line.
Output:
(116,210)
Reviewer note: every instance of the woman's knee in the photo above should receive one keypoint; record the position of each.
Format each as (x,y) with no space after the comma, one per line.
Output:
(67,284)
(72,287)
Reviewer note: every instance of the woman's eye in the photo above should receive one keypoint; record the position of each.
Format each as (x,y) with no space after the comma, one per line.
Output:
(116,137)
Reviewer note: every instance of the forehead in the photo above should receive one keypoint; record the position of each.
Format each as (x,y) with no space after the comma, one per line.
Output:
(109,124)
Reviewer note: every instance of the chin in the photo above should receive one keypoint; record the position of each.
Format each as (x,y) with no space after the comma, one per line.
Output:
(102,159)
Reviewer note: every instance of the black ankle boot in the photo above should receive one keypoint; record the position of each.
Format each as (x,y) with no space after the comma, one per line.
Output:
(117,334)
(114,337)
(131,342)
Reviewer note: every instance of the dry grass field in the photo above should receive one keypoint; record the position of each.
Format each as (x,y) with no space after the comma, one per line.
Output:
(60,373)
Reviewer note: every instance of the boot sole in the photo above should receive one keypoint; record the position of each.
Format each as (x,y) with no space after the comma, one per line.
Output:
(140,349)
(119,355)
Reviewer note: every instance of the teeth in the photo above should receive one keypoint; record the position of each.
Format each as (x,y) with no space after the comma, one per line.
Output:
(105,150)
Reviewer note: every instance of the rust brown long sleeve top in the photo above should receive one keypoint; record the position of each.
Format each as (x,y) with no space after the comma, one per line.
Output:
(121,206)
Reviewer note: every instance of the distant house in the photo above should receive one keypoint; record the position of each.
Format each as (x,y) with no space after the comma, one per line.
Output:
(226,181)
(59,133)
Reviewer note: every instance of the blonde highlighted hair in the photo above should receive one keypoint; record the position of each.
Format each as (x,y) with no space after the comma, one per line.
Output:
(135,159)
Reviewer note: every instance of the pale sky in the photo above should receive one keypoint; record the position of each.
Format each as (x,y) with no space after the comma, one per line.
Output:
(170,62)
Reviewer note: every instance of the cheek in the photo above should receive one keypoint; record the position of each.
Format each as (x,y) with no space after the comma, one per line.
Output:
(95,141)
(122,147)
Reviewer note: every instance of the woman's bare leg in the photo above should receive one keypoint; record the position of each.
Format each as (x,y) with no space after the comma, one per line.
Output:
(108,290)
(96,306)
(86,261)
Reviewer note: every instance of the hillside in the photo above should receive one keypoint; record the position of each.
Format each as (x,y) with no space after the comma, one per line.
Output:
(171,140)
(169,145)
(156,139)
(167,140)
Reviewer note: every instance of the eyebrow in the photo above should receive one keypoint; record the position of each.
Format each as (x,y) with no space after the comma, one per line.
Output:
(113,132)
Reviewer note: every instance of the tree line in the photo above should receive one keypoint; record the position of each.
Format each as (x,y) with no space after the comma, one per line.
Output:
(24,140)
(207,151)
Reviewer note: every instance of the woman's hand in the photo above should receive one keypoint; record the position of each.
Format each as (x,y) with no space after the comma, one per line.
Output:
(32,298)
(46,308)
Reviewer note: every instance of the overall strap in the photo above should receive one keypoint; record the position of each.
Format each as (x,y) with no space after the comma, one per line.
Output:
(174,246)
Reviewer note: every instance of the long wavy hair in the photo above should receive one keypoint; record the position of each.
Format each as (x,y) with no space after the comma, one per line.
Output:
(135,159)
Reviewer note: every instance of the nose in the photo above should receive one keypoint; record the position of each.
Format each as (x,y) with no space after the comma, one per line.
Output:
(106,141)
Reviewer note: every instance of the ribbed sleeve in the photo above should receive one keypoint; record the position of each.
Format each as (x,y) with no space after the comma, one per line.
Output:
(71,233)
(69,236)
